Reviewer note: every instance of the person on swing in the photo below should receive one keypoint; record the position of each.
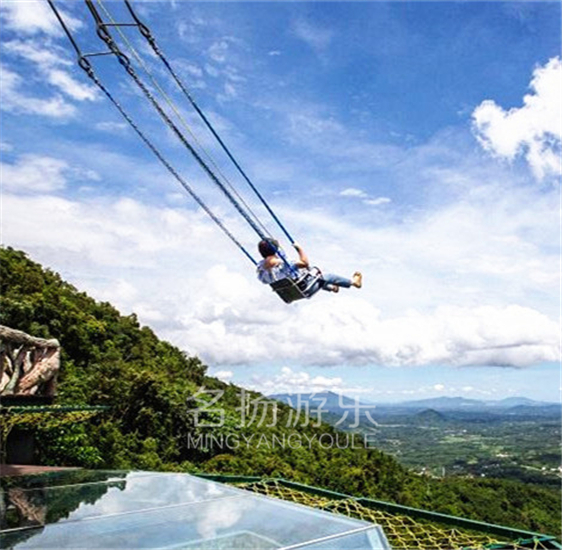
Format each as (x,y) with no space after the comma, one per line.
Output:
(272,268)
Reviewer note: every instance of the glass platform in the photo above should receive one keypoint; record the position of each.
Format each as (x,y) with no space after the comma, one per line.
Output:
(138,510)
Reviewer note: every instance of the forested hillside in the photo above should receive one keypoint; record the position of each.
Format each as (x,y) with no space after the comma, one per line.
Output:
(109,359)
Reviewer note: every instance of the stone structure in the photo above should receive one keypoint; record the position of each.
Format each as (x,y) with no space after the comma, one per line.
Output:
(28,365)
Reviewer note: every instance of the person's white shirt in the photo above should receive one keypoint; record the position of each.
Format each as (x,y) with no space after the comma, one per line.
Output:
(276,273)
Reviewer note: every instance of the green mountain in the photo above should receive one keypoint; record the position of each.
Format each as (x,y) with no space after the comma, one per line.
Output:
(430,417)
(461,403)
(152,389)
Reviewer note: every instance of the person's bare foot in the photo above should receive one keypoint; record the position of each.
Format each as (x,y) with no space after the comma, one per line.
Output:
(357,280)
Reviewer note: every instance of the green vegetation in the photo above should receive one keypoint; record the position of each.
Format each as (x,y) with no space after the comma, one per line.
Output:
(517,447)
(110,360)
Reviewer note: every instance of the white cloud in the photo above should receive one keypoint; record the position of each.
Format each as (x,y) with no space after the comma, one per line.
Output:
(352,192)
(34,173)
(66,84)
(352,332)
(224,375)
(188,31)
(318,38)
(365,197)
(229,91)
(41,174)
(378,201)
(291,381)
(233,75)
(211,71)
(534,130)
(32,17)
(49,63)
(116,235)
(188,68)
(486,249)
(111,127)
(489,264)
(36,52)
(18,101)
(218,51)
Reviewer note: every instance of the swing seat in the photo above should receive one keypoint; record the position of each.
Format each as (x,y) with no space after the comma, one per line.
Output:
(304,286)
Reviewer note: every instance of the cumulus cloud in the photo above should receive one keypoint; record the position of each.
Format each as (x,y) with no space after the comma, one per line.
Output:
(41,174)
(293,381)
(488,259)
(34,173)
(33,17)
(351,331)
(533,130)
(219,311)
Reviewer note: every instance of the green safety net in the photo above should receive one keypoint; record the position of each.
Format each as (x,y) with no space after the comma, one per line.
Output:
(403,532)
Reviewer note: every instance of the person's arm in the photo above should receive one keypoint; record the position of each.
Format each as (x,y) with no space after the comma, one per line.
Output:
(303,258)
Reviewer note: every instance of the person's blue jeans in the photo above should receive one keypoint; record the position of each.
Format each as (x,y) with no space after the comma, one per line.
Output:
(334,280)
(326,281)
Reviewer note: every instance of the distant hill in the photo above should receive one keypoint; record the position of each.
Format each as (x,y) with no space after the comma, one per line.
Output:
(461,403)
(441,403)
(430,416)
(535,410)
(519,401)
(335,403)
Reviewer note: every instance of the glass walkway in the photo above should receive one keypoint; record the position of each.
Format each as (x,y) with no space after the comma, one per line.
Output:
(137,510)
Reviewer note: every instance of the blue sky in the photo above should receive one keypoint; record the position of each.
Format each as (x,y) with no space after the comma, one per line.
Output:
(416,141)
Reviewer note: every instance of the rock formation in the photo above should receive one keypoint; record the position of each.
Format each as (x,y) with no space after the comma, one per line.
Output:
(28,365)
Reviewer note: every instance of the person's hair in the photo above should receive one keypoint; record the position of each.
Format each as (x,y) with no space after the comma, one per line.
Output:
(268,247)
